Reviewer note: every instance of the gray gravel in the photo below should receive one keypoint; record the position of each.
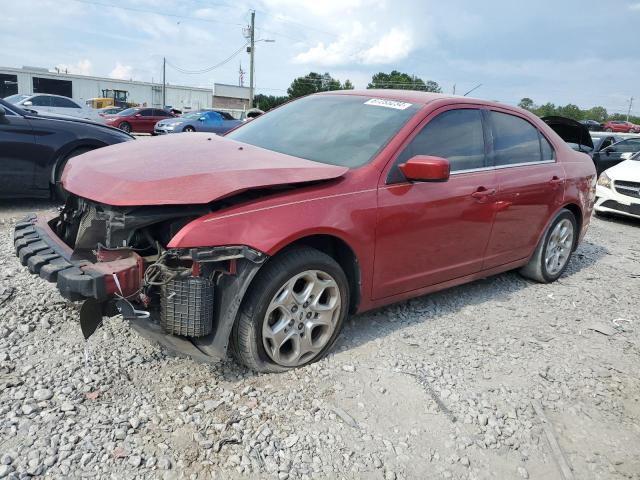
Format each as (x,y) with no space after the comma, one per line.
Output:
(437,387)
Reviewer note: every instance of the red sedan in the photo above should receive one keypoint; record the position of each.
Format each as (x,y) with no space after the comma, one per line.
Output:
(137,120)
(263,241)
(620,126)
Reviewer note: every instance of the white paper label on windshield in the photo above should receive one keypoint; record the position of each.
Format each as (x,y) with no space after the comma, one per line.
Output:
(388,103)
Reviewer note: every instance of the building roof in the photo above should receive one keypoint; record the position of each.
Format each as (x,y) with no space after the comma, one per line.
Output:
(71,76)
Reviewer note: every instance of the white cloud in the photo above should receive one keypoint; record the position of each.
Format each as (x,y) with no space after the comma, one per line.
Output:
(82,67)
(122,72)
(634,6)
(352,47)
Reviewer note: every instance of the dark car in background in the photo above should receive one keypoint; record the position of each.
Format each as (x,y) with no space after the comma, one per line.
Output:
(200,121)
(34,148)
(138,119)
(621,127)
(609,155)
(592,125)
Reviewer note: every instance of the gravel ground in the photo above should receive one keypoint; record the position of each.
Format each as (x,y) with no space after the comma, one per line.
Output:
(443,386)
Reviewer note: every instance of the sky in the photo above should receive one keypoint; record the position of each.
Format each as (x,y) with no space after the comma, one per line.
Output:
(585,52)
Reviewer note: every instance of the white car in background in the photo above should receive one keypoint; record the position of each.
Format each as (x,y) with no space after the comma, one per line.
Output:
(618,189)
(54,104)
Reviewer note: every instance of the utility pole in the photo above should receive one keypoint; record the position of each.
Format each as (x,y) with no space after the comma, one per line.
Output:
(252,42)
(164,82)
(454,88)
(629,111)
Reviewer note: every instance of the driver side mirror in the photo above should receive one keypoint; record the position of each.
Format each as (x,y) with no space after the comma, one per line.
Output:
(426,168)
(203,119)
(137,115)
(28,103)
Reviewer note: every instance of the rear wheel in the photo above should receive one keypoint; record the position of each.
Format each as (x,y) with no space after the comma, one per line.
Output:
(552,254)
(59,192)
(609,130)
(189,129)
(125,127)
(293,312)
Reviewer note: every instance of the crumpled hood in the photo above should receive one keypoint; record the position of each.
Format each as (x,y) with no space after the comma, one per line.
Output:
(184,169)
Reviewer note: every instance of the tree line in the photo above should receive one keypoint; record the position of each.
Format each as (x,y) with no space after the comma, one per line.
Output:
(597,113)
(316,82)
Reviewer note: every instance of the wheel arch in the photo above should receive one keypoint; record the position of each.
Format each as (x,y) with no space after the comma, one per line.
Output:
(341,252)
(67,150)
(577,213)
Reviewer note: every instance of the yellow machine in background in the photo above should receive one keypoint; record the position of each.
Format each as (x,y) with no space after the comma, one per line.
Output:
(111,98)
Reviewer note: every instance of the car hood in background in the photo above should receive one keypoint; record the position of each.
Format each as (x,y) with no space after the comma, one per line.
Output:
(570,130)
(185,169)
(629,171)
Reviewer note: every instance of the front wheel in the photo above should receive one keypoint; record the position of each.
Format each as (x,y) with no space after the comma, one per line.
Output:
(292,313)
(609,130)
(552,254)
(125,127)
(189,129)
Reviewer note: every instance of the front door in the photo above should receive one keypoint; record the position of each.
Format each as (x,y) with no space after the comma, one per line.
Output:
(530,188)
(18,154)
(428,233)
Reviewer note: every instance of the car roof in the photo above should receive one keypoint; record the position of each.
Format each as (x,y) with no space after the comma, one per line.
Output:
(48,95)
(411,96)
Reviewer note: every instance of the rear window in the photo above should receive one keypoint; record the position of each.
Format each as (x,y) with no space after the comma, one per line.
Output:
(515,140)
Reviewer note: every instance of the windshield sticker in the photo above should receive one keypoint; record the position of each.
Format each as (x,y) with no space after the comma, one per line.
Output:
(379,102)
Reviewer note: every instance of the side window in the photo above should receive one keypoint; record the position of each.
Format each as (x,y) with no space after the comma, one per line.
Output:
(63,103)
(214,116)
(547,150)
(147,112)
(514,140)
(226,116)
(41,101)
(629,145)
(456,135)
(160,113)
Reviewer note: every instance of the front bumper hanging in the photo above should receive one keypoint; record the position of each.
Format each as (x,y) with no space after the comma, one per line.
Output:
(40,249)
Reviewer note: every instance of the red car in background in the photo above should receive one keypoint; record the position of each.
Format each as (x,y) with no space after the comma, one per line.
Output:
(621,126)
(263,241)
(138,119)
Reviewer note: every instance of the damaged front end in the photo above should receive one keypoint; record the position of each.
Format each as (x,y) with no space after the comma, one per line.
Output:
(116,260)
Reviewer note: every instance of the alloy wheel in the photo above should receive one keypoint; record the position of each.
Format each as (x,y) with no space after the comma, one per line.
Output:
(301,318)
(559,246)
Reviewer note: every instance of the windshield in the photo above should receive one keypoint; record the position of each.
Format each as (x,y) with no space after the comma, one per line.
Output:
(16,98)
(193,115)
(345,130)
(128,111)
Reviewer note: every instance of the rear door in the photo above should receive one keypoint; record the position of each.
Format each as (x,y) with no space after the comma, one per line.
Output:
(145,120)
(431,232)
(530,187)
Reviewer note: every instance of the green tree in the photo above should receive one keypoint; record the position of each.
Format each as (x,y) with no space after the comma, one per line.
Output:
(403,81)
(571,111)
(599,114)
(526,103)
(347,85)
(267,102)
(313,83)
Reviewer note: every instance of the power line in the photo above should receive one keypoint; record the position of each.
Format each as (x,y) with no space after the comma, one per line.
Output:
(209,69)
(154,12)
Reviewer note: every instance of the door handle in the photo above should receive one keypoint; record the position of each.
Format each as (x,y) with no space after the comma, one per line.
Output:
(555,180)
(482,194)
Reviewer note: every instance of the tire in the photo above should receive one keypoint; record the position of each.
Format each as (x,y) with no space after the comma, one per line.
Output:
(59,192)
(609,130)
(188,129)
(275,291)
(125,127)
(538,268)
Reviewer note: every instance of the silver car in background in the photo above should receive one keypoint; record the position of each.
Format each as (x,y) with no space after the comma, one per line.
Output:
(54,104)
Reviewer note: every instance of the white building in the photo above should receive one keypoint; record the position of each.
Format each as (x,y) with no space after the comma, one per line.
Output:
(30,80)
